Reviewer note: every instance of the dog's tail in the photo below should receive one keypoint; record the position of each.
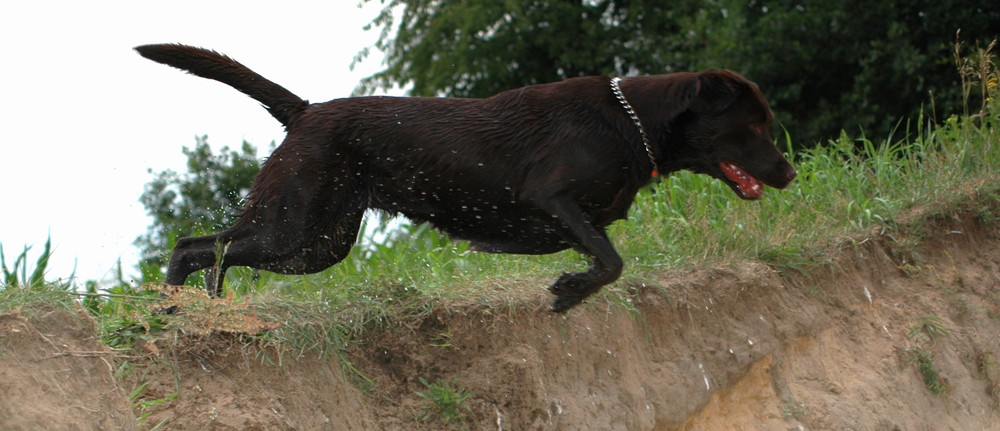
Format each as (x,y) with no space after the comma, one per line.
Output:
(281,103)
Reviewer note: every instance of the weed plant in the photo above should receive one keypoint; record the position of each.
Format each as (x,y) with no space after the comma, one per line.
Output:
(923,358)
(25,286)
(444,400)
(18,273)
(144,406)
(924,335)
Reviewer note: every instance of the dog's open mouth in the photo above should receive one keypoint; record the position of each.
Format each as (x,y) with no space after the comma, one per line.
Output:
(745,185)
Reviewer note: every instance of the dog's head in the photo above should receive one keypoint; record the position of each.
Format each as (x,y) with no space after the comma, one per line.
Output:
(722,127)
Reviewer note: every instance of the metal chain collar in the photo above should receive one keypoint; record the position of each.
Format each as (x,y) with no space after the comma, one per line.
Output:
(617,90)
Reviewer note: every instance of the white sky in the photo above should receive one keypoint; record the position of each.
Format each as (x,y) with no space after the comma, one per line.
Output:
(82,116)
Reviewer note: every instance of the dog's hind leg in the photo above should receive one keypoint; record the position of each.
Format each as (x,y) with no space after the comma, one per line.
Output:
(285,251)
(204,252)
(311,224)
(325,247)
(302,216)
(191,254)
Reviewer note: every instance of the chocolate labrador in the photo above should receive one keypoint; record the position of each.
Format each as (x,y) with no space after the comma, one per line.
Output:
(533,170)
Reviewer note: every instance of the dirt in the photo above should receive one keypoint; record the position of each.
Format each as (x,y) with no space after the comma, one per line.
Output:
(738,347)
(55,375)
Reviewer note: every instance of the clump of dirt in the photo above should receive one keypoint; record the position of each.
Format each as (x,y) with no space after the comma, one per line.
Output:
(897,332)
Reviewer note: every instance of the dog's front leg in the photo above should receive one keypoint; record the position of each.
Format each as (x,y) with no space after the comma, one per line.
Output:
(574,227)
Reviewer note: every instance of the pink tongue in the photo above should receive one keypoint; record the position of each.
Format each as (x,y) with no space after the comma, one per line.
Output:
(747,185)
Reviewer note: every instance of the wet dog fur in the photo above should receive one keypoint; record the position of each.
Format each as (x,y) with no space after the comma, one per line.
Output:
(533,170)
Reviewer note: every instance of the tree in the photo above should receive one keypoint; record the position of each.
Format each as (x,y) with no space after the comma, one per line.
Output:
(825,66)
(828,66)
(477,49)
(205,199)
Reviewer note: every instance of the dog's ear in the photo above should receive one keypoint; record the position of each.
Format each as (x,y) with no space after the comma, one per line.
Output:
(716,90)
(683,93)
(663,97)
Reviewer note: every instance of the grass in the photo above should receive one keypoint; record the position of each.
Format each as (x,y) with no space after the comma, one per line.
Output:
(930,326)
(444,401)
(987,365)
(145,406)
(25,288)
(924,334)
(923,358)
(791,409)
(18,272)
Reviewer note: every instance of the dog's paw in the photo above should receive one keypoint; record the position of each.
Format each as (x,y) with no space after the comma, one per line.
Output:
(568,284)
(562,304)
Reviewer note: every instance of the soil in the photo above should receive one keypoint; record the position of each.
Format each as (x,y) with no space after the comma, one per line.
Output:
(55,375)
(736,347)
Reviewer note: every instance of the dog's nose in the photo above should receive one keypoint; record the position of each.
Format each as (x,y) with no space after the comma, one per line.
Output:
(790,173)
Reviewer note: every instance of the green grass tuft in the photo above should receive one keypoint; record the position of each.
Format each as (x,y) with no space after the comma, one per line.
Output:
(924,360)
(445,400)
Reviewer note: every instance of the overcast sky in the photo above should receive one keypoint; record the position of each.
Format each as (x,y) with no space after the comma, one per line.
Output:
(82,116)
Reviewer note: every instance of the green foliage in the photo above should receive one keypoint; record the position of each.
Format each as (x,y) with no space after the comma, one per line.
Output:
(791,409)
(825,66)
(445,400)
(476,49)
(144,406)
(924,360)
(128,316)
(23,285)
(931,326)
(205,199)
(18,274)
(37,299)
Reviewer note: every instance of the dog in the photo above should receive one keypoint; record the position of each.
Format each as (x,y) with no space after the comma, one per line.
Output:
(534,170)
